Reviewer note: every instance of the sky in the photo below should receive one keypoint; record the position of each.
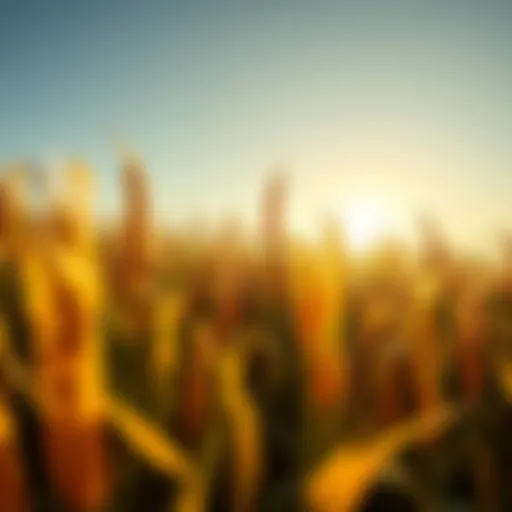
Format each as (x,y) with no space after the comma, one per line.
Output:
(403,104)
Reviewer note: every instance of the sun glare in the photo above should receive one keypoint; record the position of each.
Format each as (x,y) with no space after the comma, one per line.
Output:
(364,223)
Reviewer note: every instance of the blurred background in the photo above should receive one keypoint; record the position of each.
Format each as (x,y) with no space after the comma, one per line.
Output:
(255,256)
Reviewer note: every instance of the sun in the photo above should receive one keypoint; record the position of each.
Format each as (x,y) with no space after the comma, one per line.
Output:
(364,223)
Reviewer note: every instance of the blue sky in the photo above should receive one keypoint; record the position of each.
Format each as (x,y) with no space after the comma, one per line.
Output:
(403,102)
